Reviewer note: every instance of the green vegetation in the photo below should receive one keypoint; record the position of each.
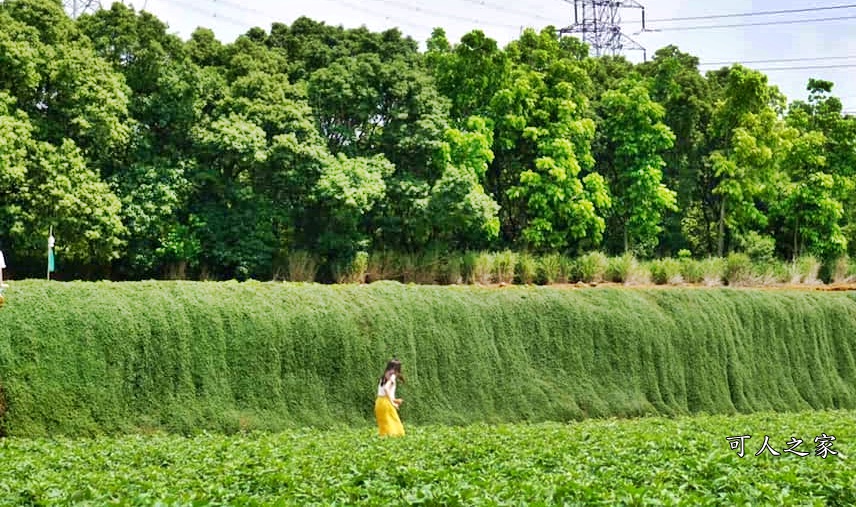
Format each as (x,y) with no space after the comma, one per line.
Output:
(87,358)
(683,461)
(310,151)
(507,267)
(307,152)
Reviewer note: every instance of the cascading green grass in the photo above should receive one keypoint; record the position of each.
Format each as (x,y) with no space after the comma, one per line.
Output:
(90,358)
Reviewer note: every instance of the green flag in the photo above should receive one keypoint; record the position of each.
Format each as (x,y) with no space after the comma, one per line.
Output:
(51,267)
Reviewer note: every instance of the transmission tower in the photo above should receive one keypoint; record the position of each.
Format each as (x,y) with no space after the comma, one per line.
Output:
(75,8)
(599,22)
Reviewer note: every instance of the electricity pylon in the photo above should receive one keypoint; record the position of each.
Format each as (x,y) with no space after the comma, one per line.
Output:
(75,8)
(599,22)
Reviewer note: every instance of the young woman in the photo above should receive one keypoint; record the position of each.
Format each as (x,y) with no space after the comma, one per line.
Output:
(386,404)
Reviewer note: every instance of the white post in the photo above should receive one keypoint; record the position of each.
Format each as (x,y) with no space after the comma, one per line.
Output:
(50,247)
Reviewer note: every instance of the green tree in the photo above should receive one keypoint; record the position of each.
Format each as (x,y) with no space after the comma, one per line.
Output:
(16,143)
(367,105)
(470,74)
(675,83)
(204,48)
(230,217)
(343,196)
(809,210)
(463,216)
(45,186)
(249,54)
(22,56)
(151,176)
(607,73)
(745,134)
(311,45)
(541,174)
(822,112)
(631,139)
(70,112)
(52,25)
(76,94)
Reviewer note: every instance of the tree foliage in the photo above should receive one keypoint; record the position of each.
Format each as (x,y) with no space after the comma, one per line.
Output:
(153,156)
(632,139)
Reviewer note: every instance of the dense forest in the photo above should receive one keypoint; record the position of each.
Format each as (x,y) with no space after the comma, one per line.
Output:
(151,156)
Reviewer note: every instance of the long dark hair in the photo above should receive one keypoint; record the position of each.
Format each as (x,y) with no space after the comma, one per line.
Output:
(393,366)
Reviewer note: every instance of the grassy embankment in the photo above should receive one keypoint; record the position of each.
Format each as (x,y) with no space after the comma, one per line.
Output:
(90,358)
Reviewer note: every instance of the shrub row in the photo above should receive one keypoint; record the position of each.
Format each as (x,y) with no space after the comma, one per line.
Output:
(509,267)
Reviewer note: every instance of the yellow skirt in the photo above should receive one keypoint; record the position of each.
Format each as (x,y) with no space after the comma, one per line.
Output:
(388,423)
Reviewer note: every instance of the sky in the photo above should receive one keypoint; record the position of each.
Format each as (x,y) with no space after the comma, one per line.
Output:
(806,43)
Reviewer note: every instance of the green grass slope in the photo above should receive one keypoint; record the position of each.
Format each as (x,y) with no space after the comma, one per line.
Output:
(89,358)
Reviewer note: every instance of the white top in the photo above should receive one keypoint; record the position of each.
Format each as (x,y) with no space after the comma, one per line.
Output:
(387,389)
(2,261)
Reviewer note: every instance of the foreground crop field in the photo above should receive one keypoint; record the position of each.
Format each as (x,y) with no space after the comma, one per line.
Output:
(651,461)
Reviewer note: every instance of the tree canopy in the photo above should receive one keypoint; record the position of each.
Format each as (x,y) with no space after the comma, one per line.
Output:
(153,156)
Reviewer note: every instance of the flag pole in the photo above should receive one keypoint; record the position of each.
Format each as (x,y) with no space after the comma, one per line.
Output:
(50,237)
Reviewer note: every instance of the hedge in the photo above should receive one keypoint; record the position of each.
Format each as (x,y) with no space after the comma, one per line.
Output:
(84,358)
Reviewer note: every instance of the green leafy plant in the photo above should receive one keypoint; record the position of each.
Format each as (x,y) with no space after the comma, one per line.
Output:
(713,271)
(302,266)
(806,269)
(504,264)
(483,268)
(592,267)
(549,268)
(738,269)
(620,269)
(666,271)
(353,270)
(521,464)
(527,268)
(692,270)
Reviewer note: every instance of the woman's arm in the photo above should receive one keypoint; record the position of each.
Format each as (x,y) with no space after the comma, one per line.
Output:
(389,388)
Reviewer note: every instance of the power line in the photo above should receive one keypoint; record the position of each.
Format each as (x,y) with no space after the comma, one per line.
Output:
(194,8)
(508,10)
(370,12)
(780,60)
(246,9)
(809,67)
(355,6)
(738,25)
(444,15)
(240,7)
(386,16)
(760,13)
